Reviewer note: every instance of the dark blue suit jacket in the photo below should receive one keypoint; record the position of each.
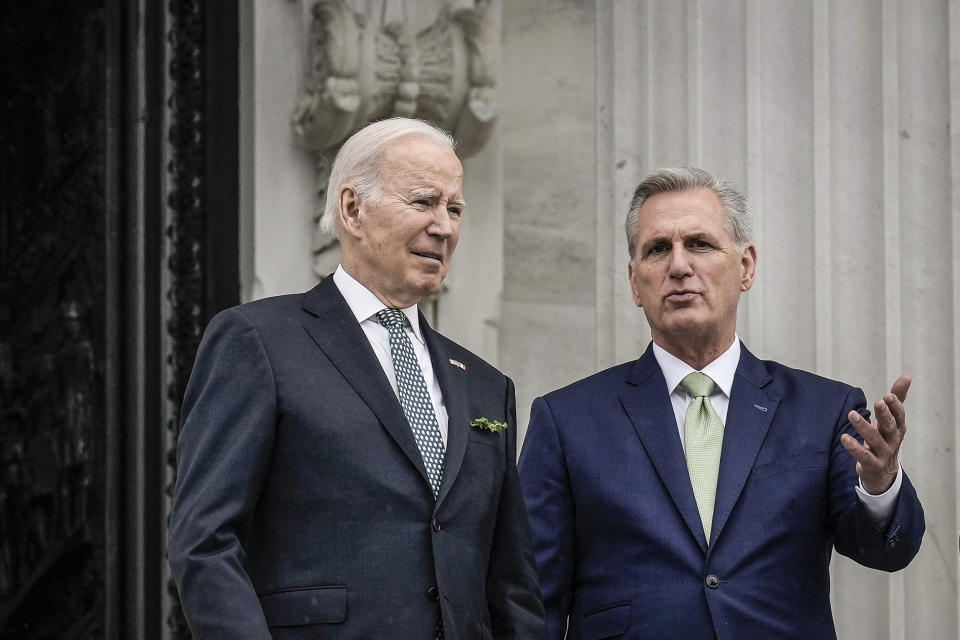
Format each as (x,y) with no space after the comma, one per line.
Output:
(302,507)
(616,530)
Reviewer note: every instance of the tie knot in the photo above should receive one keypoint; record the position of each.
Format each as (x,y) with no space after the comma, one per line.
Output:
(392,318)
(698,385)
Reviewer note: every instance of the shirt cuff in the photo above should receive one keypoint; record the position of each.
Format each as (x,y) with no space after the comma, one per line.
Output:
(880,508)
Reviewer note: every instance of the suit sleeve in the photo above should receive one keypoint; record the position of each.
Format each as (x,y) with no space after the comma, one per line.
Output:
(857,535)
(546,487)
(514,602)
(223,454)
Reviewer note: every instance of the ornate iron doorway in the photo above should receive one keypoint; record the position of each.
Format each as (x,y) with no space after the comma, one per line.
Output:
(118,240)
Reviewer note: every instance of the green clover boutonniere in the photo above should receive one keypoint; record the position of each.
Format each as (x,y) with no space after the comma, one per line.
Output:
(489,425)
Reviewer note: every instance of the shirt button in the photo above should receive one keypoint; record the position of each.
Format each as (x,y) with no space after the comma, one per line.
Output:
(435,524)
(712,581)
(433,593)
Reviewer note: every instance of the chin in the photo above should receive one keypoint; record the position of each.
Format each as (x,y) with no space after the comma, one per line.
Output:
(426,288)
(688,326)
(685,319)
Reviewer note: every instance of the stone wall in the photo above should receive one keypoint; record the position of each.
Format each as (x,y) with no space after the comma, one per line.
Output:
(834,117)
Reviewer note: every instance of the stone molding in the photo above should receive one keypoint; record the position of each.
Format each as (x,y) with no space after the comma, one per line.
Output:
(362,67)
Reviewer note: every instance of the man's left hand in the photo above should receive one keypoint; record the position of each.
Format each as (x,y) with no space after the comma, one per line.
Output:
(877,463)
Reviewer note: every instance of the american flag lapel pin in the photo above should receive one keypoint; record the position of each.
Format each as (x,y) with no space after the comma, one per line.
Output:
(458,364)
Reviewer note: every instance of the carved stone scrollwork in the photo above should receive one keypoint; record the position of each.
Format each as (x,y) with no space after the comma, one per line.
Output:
(325,114)
(363,67)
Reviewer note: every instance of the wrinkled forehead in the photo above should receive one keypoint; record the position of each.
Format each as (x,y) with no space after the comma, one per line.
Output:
(415,153)
(681,212)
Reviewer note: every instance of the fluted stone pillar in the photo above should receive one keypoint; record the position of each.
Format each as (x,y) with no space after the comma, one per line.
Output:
(835,118)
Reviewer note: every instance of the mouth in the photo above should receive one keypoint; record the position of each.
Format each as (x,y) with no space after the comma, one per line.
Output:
(681,296)
(430,255)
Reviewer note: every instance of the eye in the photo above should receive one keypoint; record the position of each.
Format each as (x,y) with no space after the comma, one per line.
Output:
(657,249)
(455,212)
(700,243)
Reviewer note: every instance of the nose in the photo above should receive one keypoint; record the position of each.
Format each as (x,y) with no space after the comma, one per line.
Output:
(680,266)
(441,225)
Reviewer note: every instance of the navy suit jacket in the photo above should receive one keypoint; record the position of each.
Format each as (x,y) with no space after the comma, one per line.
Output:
(617,534)
(302,507)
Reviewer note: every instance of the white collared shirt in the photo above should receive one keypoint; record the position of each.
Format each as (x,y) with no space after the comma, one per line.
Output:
(365,305)
(722,371)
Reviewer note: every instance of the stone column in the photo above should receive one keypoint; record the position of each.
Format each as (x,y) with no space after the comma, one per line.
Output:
(835,119)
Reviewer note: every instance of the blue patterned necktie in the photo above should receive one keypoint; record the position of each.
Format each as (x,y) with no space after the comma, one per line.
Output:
(417,406)
(414,397)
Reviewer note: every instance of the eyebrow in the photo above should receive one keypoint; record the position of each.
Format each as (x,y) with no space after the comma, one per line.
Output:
(694,235)
(431,194)
(426,194)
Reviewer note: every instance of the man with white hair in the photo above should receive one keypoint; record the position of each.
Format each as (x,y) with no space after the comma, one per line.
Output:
(344,471)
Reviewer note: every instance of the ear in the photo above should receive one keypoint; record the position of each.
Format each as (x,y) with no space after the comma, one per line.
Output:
(748,262)
(633,286)
(348,210)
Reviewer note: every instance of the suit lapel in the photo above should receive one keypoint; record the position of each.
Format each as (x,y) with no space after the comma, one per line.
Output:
(453,385)
(749,416)
(335,330)
(647,403)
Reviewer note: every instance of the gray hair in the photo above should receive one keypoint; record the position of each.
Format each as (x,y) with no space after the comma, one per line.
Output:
(739,222)
(360,161)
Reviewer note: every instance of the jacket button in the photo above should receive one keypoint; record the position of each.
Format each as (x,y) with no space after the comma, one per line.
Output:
(712,581)
(435,524)
(433,593)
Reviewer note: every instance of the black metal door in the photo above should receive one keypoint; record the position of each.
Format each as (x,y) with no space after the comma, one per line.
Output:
(107,277)
(53,319)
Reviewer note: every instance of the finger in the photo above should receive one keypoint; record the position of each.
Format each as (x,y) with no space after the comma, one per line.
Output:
(901,386)
(857,451)
(869,432)
(884,418)
(897,412)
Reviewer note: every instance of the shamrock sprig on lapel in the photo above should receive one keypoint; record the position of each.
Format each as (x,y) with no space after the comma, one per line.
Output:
(485,424)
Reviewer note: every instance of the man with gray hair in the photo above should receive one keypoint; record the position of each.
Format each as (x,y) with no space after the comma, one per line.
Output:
(698,492)
(344,471)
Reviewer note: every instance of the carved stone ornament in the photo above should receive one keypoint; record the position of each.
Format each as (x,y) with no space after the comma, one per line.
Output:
(364,66)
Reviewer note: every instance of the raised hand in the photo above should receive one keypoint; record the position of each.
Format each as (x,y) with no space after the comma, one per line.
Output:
(877,461)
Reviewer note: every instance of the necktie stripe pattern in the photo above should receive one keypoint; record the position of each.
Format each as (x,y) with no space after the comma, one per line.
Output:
(703,444)
(414,397)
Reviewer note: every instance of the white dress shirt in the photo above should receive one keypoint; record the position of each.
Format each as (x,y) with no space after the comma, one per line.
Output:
(722,371)
(365,305)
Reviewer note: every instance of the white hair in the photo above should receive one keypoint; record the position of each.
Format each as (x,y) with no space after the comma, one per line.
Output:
(359,162)
(738,221)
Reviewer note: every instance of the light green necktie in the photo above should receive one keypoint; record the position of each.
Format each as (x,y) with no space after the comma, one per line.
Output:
(703,442)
